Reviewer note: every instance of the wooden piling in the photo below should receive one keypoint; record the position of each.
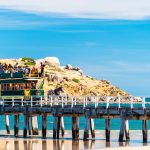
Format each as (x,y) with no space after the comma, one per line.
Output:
(16,125)
(87,126)
(30,125)
(144,130)
(75,128)
(26,126)
(7,124)
(62,126)
(107,130)
(58,126)
(35,125)
(127,130)
(44,125)
(92,128)
(55,127)
(122,125)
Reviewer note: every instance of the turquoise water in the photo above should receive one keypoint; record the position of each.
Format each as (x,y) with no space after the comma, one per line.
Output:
(99,123)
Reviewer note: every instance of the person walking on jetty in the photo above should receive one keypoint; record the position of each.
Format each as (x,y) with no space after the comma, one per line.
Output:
(42,69)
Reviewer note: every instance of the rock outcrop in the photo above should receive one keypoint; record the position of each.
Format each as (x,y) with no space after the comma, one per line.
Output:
(75,83)
(50,61)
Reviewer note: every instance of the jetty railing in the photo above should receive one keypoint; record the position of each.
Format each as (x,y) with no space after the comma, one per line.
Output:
(73,100)
(102,107)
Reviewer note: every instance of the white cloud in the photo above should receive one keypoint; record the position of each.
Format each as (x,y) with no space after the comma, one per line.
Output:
(98,9)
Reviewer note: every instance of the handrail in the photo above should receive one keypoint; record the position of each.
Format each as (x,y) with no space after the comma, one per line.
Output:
(19,75)
(73,101)
(37,75)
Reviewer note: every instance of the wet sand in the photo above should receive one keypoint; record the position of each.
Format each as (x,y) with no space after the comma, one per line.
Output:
(36,143)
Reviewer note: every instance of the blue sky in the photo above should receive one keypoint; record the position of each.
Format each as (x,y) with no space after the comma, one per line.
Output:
(113,49)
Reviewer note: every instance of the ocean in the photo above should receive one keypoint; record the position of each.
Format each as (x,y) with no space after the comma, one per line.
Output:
(99,123)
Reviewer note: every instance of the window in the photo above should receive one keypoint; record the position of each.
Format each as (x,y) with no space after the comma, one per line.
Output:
(27,86)
(13,86)
(7,87)
(10,86)
(4,87)
(20,86)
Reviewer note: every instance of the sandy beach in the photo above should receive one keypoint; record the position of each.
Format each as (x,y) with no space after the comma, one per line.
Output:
(36,143)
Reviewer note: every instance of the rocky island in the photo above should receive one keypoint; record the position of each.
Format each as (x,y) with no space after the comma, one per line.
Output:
(72,79)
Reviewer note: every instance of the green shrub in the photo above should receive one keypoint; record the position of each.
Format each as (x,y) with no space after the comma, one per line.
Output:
(92,78)
(28,61)
(85,92)
(76,80)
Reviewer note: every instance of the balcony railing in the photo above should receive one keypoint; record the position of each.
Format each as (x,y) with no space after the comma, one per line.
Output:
(18,75)
(32,92)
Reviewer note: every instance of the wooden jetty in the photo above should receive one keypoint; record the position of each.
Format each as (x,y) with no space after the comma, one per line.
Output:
(108,108)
